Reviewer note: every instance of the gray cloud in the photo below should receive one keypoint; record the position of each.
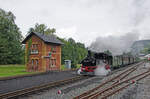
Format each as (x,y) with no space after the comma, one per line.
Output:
(136,13)
(84,19)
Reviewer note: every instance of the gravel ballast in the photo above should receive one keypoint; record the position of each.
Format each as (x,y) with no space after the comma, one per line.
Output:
(68,91)
(74,89)
(139,90)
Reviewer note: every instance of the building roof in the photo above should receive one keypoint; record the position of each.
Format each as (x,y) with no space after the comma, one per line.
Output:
(44,37)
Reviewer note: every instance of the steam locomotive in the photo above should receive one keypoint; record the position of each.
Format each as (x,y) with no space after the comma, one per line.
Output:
(93,59)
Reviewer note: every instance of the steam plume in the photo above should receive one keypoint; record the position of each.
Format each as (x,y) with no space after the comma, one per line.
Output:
(117,45)
(100,70)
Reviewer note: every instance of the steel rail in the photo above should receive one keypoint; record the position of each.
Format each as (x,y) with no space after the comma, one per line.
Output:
(121,88)
(124,76)
(85,94)
(38,88)
(95,95)
(118,80)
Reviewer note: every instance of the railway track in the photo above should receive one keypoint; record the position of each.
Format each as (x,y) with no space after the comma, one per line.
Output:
(114,84)
(27,91)
(35,89)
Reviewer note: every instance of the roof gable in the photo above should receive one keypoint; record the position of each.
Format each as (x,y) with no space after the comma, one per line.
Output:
(45,38)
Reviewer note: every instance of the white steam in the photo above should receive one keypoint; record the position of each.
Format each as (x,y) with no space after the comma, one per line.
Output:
(116,45)
(79,71)
(100,70)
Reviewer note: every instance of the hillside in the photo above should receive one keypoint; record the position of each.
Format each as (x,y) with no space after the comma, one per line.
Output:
(139,45)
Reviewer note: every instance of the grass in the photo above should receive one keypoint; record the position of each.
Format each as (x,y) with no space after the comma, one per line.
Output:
(63,67)
(78,65)
(12,70)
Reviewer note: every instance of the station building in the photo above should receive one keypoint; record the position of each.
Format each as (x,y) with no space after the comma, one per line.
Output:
(42,52)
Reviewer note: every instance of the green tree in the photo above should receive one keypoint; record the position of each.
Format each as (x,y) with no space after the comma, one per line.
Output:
(145,51)
(73,51)
(11,50)
(42,28)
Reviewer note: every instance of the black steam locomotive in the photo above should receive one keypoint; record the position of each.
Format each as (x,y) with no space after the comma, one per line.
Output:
(93,59)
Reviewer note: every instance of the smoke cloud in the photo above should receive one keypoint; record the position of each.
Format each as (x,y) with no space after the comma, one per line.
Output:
(132,19)
(117,45)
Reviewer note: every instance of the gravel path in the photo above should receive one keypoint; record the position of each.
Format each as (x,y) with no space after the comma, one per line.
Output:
(26,82)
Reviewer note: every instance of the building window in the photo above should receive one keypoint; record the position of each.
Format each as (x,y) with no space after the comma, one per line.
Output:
(34,49)
(36,64)
(32,64)
(52,62)
(53,49)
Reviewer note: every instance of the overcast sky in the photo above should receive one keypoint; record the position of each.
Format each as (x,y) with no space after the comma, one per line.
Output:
(83,20)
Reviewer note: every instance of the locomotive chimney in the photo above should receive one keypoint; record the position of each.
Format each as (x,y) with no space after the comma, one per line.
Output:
(89,53)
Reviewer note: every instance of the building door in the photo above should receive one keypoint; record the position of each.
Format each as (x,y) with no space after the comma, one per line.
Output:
(36,64)
(32,65)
